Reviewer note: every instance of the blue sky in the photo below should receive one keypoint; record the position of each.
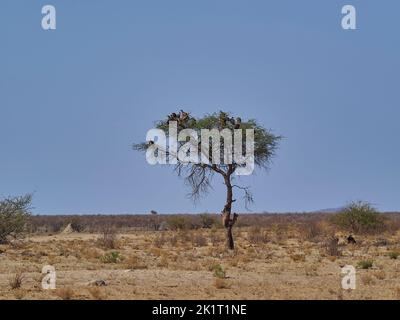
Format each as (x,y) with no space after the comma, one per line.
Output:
(73,100)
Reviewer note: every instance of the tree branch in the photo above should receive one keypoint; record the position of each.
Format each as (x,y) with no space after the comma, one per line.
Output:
(248,196)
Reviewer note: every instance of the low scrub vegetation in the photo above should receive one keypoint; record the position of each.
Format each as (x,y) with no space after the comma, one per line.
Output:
(111,257)
(359,217)
(219,271)
(178,223)
(14,215)
(108,239)
(272,253)
(394,254)
(365,264)
(313,226)
(16,281)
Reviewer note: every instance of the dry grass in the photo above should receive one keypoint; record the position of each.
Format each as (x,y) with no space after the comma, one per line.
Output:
(16,281)
(298,257)
(65,293)
(221,283)
(311,270)
(367,279)
(257,236)
(96,293)
(199,240)
(380,274)
(282,259)
(19,294)
(163,262)
(397,293)
(134,262)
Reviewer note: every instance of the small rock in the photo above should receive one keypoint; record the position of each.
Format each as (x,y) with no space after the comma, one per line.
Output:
(99,283)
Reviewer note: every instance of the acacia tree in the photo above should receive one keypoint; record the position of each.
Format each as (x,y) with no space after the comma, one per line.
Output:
(14,214)
(198,176)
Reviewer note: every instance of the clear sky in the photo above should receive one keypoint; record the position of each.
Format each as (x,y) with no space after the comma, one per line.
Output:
(74,99)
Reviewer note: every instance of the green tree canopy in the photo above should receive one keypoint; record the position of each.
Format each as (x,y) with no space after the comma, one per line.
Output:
(198,176)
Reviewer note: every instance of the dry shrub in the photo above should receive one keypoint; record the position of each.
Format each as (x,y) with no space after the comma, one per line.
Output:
(234,262)
(156,252)
(97,293)
(332,258)
(94,223)
(311,270)
(332,247)
(311,231)
(298,257)
(108,239)
(19,294)
(17,244)
(199,240)
(221,283)
(16,281)
(91,253)
(65,293)
(173,240)
(215,237)
(133,262)
(367,279)
(280,232)
(163,263)
(184,236)
(380,274)
(392,224)
(245,259)
(159,241)
(257,236)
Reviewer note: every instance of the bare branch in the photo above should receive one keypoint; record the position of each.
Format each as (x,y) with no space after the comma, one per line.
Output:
(248,196)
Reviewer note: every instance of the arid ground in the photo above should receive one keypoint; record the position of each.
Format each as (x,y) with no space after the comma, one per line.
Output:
(279,261)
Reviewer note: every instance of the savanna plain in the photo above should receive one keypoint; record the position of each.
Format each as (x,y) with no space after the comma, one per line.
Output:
(276,256)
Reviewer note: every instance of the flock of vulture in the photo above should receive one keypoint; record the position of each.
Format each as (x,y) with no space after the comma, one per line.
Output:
(183,118)
(225,121)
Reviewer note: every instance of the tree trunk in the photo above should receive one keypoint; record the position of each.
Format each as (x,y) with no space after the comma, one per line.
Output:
(227,221)
(229,238)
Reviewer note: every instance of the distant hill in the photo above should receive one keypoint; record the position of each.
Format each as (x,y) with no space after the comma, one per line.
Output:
(329,210)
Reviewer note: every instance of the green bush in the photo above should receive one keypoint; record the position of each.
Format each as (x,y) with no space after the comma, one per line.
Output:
(14,215)
(207,220)
(394,254)
(219,272)
(359,217)
(177,223)
(365,264)
(111,257)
